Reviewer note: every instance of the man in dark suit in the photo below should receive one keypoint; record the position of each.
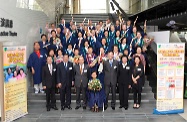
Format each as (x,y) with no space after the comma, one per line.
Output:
(82,73)
(110,68)
(48,81)
(65,78)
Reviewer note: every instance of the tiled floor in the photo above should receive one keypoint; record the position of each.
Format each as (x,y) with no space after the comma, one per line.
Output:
(38,113)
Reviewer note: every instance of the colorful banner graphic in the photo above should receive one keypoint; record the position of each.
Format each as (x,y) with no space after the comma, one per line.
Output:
(15,84)
(170,78)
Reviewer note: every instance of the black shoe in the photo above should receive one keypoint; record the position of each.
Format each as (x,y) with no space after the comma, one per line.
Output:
(54,107)
(77,107)
(126,108)
(69,107)
(48,109)
(121,106)
(84,107)
(113,108)
(62,108)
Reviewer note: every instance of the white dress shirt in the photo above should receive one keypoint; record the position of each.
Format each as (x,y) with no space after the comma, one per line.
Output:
(82,67)
(50,66)
(124,65)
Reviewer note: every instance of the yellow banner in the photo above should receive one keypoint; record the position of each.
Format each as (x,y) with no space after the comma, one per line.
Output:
(170,77)
(15,84)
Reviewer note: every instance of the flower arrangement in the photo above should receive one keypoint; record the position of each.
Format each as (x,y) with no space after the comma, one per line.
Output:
(94,85)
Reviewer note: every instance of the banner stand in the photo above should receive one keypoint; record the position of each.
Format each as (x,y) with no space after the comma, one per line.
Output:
(155,111)
(14,85)
(170,78)
(1,84)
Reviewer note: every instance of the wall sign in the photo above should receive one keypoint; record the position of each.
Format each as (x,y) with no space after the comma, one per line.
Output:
(6,23)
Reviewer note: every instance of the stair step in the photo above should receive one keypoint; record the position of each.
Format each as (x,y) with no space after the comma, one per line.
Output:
(80,17)
(144,90)
(109,101)
(33,96)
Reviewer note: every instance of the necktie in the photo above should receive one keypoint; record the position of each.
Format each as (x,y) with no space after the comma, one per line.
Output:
(81,69)
(65,65)
(111,63)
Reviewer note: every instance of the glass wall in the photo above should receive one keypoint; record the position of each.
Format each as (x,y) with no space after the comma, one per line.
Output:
(93,6)
(28,4)
(137,6)
(22,4)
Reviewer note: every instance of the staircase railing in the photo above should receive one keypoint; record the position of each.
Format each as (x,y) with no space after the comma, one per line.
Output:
(152,77)
(112,17)
(122,11)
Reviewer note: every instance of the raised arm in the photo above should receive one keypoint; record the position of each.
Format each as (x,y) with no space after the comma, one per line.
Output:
(135,21)
(145,26)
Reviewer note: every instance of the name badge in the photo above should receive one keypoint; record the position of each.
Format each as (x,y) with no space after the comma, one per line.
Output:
(54,70)
(115,67)
(85,71)
(70,68)
(127,68)
(139,69)
(41,56)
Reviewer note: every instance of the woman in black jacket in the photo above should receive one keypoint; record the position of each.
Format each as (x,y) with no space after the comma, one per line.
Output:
(124,80)
(137,81)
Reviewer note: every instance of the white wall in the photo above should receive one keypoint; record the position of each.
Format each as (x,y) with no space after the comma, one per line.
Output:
(26,23)
(159,37)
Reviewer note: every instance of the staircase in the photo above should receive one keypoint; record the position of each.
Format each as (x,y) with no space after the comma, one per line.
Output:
(147,95)
(152,77)
(78,18)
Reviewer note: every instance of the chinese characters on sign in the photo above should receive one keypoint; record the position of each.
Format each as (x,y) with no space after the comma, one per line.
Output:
(170,78)
(6,23)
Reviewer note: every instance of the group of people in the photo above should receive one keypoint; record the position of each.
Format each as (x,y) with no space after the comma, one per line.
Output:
(14,74)
(71,56)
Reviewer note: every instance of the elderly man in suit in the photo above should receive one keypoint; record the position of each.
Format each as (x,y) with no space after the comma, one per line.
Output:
(110,68)
(48,81)
(65,78)
(82,73)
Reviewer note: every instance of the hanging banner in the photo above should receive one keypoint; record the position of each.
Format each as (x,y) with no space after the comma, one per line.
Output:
(15,84)
(170,78)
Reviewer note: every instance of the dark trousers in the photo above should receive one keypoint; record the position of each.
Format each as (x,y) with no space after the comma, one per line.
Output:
(78,92)
(50,97)
(65,96)
(123,95)
(107,90)
(136,95)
